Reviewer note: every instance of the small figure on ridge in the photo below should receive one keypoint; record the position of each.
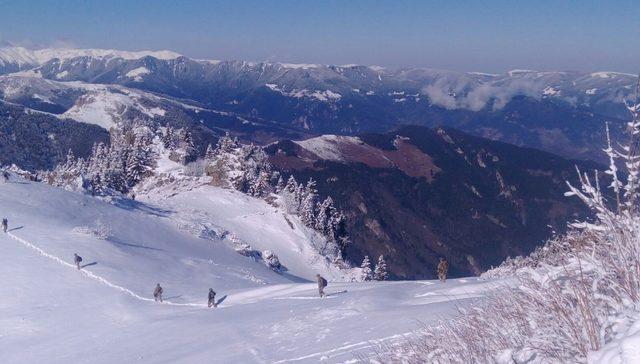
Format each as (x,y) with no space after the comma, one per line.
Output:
(212,298)
(77,259)
(322,283)
(157,293)
(443,267)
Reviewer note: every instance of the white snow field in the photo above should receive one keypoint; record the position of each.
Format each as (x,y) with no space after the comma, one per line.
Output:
(52,313)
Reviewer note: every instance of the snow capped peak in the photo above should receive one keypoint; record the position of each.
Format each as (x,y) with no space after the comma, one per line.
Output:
(137,73)
(208,61)
(105,107)
(18,55)
(485,74)
(23,56)
(329,147)
(44,55)
(550,91)
(516,72)
(609,74)
(303,66)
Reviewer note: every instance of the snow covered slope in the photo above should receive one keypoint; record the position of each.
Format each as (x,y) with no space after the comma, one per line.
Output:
(102,105)
(105,313)
(240,221)
(624,348)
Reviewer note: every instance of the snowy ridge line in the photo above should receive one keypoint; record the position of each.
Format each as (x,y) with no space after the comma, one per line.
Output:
(96,277)
(349,348)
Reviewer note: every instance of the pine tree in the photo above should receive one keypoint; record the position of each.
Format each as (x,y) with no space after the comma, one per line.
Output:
(135,167)
(97,185)
(311,186)
(189,146)
(167,139)
(218,170)
(380,273)
(308,203)
(226,144)
(288,194)
(261,185)
(292,184)
(367,273)
(323,222)
(209,155)
(280,185)
(71,161)
(307,210)
(343,242)
(275,177)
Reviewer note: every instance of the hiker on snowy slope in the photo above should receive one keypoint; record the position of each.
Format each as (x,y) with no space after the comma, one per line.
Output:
(321,284)
(157,293)
(5,224)
(77,259)
(212,298)
(443,267)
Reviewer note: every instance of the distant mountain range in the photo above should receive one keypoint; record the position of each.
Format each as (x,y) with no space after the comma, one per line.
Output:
(383,143)
(560,112)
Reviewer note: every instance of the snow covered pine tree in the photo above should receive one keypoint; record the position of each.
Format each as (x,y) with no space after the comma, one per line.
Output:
(380,273)
(367,273)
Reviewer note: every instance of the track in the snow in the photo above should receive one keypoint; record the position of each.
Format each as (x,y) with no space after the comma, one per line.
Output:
(95,276)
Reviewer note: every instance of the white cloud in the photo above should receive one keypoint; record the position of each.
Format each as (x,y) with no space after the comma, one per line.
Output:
(475,96)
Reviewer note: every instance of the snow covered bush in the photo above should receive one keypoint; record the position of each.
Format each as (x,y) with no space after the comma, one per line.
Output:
(99,230)
(271,260)
(566,299)
(15,170)
(244,248)
(196,168)
(551,253)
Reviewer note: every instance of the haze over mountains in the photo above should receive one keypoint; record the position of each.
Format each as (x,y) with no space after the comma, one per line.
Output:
(561,112)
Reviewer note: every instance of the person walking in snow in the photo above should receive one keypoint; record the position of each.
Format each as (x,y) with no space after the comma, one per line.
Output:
(5,224)
(5,176)
(157,293)
(77,259)
(443,267)
(321,284)
(212,298)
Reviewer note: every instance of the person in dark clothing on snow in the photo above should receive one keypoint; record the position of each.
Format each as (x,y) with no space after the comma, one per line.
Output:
(5,175)
(443,267)
(5,224)
(77,259)
(212,298)
(157,293)
(321,284)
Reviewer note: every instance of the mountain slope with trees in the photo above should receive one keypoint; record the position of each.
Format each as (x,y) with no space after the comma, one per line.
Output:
(416,194)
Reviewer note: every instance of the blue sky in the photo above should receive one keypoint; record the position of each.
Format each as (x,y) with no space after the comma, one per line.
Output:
(491,36)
